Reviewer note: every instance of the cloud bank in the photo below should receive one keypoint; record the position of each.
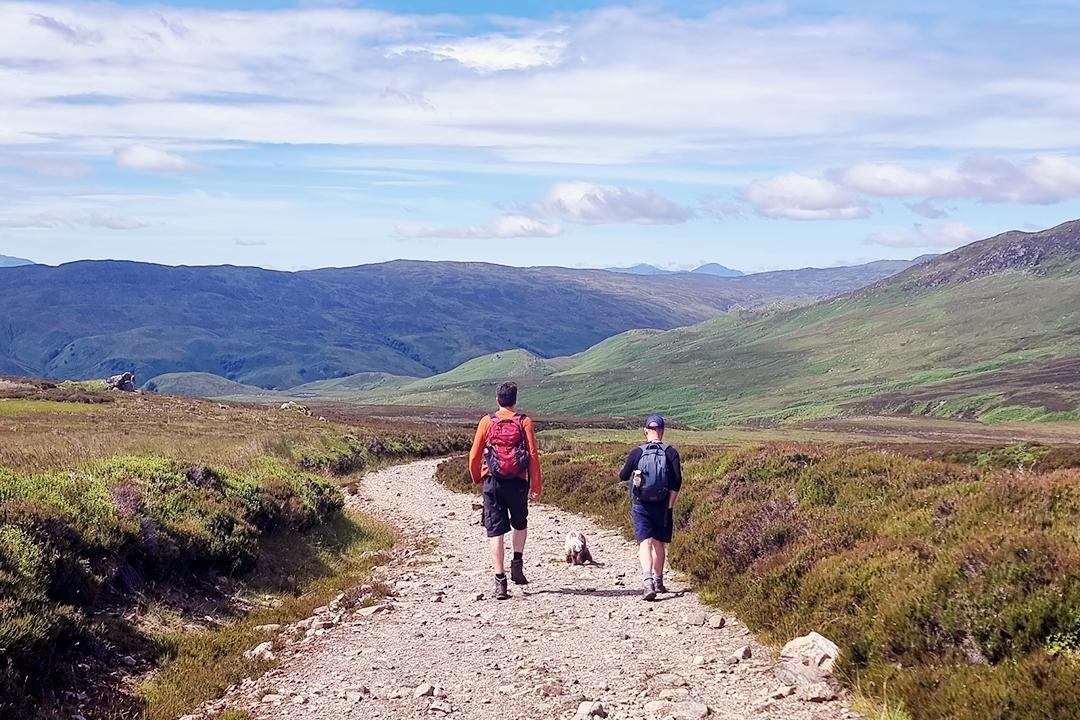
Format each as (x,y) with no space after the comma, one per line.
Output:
(586,203)
(507,226)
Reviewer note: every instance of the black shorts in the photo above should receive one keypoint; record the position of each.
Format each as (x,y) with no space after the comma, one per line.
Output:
(652,520)
(506,505)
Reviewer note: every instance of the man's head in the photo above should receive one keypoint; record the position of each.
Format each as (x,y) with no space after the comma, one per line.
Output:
(506,395)
(654,428)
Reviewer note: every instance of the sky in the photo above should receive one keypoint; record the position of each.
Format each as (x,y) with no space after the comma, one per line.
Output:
(759,135)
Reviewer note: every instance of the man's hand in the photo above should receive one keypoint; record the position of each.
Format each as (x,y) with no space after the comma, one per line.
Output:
(534,495)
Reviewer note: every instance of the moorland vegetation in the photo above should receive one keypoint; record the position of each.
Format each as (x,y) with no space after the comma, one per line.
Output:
(948,573)
(143,538)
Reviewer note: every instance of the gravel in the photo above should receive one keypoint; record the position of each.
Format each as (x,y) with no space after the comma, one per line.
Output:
(575,637)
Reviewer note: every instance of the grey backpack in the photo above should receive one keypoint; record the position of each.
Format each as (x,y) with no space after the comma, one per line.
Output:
(653,465)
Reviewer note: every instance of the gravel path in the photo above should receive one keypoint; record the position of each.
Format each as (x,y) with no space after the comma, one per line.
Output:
(576,640)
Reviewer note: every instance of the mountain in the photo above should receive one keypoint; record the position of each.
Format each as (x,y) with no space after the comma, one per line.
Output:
(988,331)
(8,261)
(708,269)
(718,270)
(277,330)
(641,269)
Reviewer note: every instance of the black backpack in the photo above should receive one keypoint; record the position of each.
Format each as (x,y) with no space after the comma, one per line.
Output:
(655,486)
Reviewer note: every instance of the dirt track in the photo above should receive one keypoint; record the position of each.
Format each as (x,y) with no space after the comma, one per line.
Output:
(572,635)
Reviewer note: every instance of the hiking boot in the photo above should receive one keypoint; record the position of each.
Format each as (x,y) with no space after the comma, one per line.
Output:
(648,589)
(517,572)
(658,583)
(501,593)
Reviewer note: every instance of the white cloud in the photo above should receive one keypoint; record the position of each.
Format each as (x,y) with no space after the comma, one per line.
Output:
(113,221)
(506,226)
(49,219)
(947,235)
(248,243)
(1041,180)
(45,165)
(590,204)
(492,53)
(797,197)
(73,34)
(147,159)
(927,209)
(615,85)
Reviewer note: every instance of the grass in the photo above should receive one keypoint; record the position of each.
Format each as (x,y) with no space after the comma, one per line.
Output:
(126,519)
(949,574)
(1000,347)
(298,575)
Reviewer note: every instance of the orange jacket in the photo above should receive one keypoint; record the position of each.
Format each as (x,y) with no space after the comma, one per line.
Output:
(477,466)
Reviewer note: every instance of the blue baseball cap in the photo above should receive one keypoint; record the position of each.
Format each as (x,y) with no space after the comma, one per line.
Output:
(655,422)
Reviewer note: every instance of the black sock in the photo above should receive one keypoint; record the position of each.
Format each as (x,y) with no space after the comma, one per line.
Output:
(517,556)
(500,576)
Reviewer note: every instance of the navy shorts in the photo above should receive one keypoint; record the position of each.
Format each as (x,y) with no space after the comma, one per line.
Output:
(652,520)
(506,505)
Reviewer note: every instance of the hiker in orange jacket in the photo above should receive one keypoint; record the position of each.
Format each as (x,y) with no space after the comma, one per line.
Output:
(505,459)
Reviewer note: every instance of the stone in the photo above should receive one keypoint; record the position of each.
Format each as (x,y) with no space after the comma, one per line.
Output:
(262,651)
(658,708)
(441,706)
(717,621)
(698,661)
(369,611)
(272,698)
(817,692)
(689,710)
(742,653)
(781,692)
(807,660)
(124,382)
(591,708)
(674,693)
(694,618)
(570,699)
(354,696)
(548,689)
(666,680)
(271,628)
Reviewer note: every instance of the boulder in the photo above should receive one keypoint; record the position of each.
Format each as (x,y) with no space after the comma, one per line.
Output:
(124,382)
(807,660)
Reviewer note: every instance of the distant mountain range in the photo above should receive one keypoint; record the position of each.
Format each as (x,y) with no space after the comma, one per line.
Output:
(709,269)
(989,331)
(270,329)
(8,261)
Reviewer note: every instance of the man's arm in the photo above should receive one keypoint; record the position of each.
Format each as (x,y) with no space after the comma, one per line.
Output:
(476,453)
(631,463)
(536,483)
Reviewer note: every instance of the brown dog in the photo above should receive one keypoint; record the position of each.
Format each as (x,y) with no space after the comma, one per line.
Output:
(577,552)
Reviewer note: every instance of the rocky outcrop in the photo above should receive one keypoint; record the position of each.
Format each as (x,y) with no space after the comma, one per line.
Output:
(124,382)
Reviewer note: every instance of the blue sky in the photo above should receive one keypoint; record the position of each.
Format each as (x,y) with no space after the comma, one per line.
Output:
(759,135)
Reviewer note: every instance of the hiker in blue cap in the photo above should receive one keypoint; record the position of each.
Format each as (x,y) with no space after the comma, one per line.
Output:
(655,474)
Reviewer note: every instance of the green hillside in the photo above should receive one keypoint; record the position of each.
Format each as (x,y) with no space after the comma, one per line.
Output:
(278,330)
(986,331)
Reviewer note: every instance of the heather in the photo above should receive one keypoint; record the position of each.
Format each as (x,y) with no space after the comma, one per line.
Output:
(948,575)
